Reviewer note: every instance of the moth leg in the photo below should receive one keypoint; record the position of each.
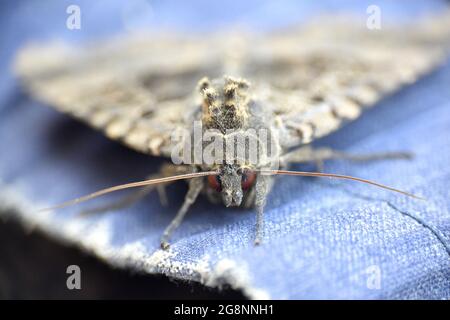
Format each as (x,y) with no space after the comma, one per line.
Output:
(320,165)
(125,202)
(262,188)
(195,186)
(168,170)
(128,200)
(319,155)
(162,194)
(249,200)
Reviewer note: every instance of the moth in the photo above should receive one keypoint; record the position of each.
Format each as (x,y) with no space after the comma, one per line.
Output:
(298,84)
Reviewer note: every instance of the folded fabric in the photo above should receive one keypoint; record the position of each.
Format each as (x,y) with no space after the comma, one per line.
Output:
(323,238)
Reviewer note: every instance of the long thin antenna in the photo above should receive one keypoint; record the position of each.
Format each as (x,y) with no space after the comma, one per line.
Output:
(338,176)
(130,185)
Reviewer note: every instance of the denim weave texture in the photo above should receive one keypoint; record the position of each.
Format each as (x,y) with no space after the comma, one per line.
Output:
(324,239)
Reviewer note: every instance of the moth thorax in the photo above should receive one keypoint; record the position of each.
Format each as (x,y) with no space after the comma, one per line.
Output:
(225,103)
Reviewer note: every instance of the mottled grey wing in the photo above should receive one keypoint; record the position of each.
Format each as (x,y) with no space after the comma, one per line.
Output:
(135,89)
(320,76)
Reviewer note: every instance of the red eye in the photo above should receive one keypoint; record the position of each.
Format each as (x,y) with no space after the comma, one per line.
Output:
(214,182)
(247,179)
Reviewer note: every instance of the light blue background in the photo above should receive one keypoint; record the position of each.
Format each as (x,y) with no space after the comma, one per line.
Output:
(323,238)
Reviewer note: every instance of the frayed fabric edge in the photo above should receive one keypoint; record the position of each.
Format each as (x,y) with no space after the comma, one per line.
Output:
(225,272)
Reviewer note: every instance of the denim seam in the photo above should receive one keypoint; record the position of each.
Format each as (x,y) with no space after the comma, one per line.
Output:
(441,238)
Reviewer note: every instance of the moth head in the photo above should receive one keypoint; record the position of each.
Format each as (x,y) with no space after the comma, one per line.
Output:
(225,102)
(232,182)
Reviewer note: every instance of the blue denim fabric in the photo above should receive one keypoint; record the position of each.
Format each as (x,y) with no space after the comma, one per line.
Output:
(323,239)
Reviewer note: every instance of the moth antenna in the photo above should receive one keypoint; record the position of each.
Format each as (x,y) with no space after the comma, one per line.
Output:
(243,84)
(129,185)
(210,95)
(230,90)
(203,84)
(240,82)
(338,176)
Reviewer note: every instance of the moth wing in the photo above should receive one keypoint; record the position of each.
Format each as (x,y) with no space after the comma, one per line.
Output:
(323,74)
(313,78)
(137,90)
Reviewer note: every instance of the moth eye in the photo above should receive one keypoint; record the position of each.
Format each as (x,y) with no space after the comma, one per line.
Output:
(248,178)
(215,183)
